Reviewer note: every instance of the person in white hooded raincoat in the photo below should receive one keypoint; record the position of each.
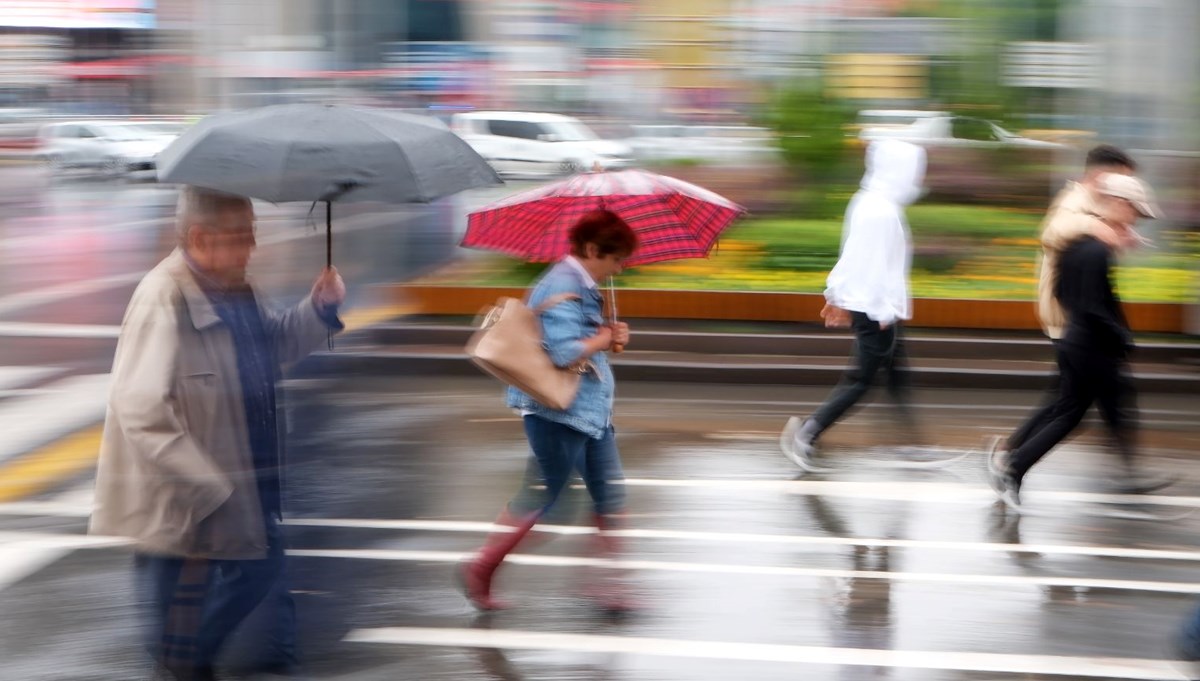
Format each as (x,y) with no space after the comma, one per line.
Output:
(868,291)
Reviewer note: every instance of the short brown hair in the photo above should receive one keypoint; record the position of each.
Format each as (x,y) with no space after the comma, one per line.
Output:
(607,230)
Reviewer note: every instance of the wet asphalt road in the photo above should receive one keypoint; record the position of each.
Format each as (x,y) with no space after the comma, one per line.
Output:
(745,571)
(865,572)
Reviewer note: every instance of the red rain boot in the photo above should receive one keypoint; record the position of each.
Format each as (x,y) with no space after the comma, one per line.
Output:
(610,589)
(476,575)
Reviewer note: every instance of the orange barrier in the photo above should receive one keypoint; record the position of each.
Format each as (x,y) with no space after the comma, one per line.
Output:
(787,307)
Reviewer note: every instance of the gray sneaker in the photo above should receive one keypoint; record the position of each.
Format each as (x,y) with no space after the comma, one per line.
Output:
(798,444)
(994,458)
(1011,494)
(1006,486)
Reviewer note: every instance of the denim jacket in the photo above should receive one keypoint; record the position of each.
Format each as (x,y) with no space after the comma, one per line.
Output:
(564,327)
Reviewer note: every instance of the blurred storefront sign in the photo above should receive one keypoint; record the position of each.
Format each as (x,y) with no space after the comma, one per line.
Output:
(121,14)
(877,76)
(1052,65)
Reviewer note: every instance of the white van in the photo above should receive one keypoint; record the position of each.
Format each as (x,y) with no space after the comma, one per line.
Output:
(518,143)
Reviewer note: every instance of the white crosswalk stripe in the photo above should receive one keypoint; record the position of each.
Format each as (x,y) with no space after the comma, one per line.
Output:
(62,407)
(1050,665)
(16,377)
(801,560)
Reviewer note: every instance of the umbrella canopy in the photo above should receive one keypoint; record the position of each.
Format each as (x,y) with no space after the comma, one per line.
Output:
(320,152)
(673,219)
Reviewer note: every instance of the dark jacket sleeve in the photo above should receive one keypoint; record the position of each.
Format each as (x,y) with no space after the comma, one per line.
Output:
(1086,291)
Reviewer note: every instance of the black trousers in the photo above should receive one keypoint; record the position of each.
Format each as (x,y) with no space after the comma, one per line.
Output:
(1086,377)
(874,349)
(1045,412)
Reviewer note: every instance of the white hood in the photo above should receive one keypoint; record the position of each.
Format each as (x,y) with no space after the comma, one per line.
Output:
(895,169)
(871,275)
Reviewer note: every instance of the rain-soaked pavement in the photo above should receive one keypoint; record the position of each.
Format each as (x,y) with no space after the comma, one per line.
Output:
(744,570)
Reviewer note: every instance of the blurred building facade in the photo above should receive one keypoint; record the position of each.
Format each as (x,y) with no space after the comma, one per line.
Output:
(92,56)
(1129,69)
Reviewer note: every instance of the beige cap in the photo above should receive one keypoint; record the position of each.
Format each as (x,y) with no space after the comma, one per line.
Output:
(1131,189)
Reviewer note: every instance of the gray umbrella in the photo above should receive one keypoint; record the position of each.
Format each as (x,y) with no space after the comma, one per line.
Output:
(321,152)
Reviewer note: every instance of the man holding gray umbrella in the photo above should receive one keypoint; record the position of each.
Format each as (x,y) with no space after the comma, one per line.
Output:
(189,464)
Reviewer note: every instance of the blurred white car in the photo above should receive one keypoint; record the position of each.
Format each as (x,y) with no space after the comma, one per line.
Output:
(112,147)
(938,128)
(518,143)
(704,143)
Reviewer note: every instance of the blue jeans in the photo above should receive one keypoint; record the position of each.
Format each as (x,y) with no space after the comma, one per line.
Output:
(560,450)
(1189,637)
(195,604)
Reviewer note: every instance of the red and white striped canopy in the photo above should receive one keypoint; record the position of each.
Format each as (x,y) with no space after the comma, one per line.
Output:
(673,219)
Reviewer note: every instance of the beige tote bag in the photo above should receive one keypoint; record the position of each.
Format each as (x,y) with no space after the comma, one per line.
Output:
(508,345)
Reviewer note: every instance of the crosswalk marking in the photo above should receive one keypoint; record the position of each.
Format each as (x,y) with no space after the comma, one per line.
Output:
(43,468)
(762,570)
(13,377)
(924,492)
(70,404)
(25,553)
(77,504)
(20,559)
(997,663)
(752,538)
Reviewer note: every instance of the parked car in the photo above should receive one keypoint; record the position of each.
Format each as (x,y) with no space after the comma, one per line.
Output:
(938,128)
(112,147)
(518,143)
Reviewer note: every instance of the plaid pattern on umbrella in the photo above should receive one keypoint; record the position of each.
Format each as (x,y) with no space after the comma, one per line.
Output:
(673,219)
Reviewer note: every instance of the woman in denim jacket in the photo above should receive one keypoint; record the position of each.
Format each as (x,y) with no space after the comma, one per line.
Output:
(580,437)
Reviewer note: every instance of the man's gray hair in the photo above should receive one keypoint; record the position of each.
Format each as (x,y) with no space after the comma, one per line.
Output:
(201,208)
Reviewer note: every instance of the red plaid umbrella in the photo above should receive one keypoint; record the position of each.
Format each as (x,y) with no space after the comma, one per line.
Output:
(673,219)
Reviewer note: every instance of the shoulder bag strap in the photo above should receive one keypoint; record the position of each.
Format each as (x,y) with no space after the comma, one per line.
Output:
(554,300)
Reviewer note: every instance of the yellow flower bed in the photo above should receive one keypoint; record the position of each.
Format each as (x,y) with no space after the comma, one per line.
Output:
(962,252)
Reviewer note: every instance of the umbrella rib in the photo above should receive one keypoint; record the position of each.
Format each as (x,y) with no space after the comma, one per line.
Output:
(281,178)
(403,154)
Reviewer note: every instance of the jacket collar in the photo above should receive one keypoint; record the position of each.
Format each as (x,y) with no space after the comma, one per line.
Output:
(201,309)
(583,275)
